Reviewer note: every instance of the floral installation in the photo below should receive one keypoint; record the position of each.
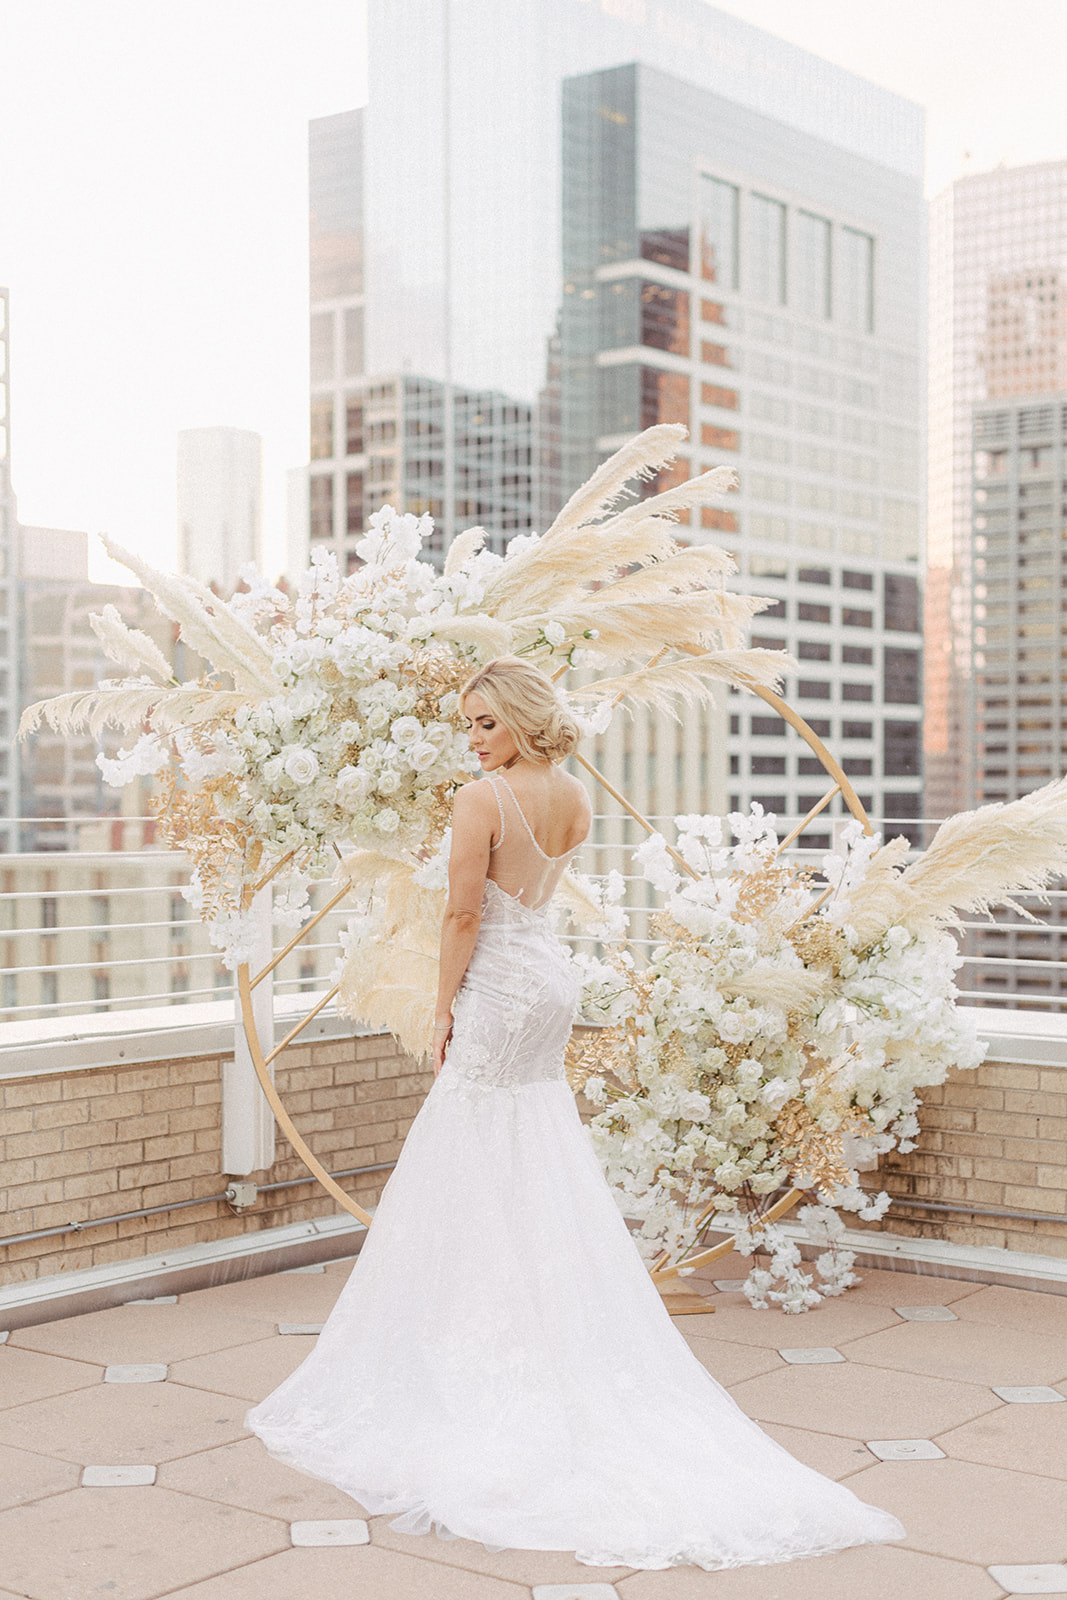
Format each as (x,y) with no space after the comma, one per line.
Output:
(777,1037)
(329,721)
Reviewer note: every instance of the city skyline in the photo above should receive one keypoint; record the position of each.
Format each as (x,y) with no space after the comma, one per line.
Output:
(185,345)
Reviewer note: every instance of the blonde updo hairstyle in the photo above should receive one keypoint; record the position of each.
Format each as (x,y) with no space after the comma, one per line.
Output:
(520,696)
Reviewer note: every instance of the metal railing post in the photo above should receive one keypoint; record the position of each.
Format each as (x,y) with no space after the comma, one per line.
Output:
(247,1120)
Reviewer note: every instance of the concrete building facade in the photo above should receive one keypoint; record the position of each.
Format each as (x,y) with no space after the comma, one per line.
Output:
(9,644)
(998,329)
(220,504)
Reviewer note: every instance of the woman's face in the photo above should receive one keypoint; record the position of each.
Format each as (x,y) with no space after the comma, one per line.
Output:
(490,740)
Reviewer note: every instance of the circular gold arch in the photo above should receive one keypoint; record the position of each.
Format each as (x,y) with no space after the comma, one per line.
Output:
(661,1271)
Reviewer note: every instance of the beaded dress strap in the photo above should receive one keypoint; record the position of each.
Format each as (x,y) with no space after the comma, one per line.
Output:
(522,817)
(500,808)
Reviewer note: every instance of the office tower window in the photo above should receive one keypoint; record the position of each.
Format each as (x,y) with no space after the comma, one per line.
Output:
(855,730)
(852,617)
(665,318)
(768,727)
(813,689)
(855,280)
(353,341)
(857,580)
(900,749)
(857,655)
(814,575)
(812,265)
(354,502)
(321,354)
(811,650)
(664,397)
(668,246)
(320,507)
(901,603)
(354,428)
(857,691)
(901,677)
(718,231)
(322,428)
(765,271)
(809,612)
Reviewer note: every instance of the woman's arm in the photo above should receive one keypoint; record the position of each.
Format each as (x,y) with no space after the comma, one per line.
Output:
(474,815)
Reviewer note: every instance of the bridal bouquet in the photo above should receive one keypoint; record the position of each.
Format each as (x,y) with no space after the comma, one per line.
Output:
(778,1038)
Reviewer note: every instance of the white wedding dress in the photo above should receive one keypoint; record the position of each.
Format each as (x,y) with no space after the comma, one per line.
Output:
(499,1365)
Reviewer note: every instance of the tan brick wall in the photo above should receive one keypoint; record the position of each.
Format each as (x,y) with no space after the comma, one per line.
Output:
(90,1144)
(996,1138)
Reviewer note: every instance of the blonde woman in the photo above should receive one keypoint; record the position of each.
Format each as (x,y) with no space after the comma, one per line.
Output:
(499,1365)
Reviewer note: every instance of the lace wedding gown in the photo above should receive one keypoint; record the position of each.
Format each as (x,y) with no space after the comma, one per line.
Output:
(499,1364)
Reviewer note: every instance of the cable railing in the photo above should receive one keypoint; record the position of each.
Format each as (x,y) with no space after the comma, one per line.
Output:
(62,954)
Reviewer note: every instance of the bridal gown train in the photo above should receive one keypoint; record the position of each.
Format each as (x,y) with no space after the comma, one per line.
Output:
(499,1364)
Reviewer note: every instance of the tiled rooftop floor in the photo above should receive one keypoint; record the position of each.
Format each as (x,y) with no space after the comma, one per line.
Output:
(218,1521)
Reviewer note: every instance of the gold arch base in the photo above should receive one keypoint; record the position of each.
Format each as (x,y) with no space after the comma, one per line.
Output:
(665,1275)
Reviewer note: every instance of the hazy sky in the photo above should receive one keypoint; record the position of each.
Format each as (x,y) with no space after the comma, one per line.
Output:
(153,209)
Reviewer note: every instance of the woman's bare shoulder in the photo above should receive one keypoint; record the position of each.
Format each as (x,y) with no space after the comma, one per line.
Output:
(475,802)
(576,795)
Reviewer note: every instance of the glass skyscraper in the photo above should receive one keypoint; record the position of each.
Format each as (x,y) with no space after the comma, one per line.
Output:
(615,213)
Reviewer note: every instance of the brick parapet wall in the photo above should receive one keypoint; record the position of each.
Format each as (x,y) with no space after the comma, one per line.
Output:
(995,1138)
(91,1144)
(81,1145)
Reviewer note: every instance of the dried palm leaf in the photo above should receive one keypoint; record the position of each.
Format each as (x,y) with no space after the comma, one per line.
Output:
(128,706)
(210,630)
(463,547)
(486,634)
(128,647)
(640,458)
(689,680)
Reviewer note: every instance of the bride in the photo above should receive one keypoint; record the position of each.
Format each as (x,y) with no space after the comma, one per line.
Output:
(499,1364)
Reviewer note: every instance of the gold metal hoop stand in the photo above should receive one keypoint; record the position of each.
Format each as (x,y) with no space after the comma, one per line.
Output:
(262,1058)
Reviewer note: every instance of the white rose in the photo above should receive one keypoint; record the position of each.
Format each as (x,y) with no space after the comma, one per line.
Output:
(272,769)
(301,766)
(353,783)
(389,782)
(732,1027)
(387,821)
(439,735)
(555,633)
(423,756)
(377,718)
(405,731)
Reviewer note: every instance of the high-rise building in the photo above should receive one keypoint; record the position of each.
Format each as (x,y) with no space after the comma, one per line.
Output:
(220,504)
(1017,706)
(998,330)
(521,239)
(9,692)
(724,270)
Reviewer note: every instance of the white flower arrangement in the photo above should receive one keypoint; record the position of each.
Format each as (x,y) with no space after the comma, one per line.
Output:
(769,1043)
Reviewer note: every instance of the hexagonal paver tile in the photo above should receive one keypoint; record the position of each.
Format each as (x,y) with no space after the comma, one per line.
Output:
(282,1297)
(289,1328)
(877,1287)
(926,1313)
(364,1574)
(972,1352)
(575,1591)
(728,1363)
(25,1375)
(1024,1438)
(517,1566)
(250,1371)
(129,1422)
(134,1542)
(996,1516)
(871,1572)
(833,1457)
(832,1323)
(1038,1394)
(141,1372)
(811,1356)
(1017,1308)
(243,1474)
(137,1334)
(862,1402)
(25,1475)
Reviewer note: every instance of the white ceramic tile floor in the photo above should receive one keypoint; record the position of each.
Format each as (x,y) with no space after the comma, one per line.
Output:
(1038,1394)
(146,1372)
(154,1300)
(117,1477)
(816,1356)
(4,1338)
(315,1266)
(1038,1579)
(300,1327)
(926,1313)
(905,1449)
(350,1530)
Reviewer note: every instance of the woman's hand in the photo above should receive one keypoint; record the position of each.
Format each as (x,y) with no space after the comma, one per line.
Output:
(442,1034)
